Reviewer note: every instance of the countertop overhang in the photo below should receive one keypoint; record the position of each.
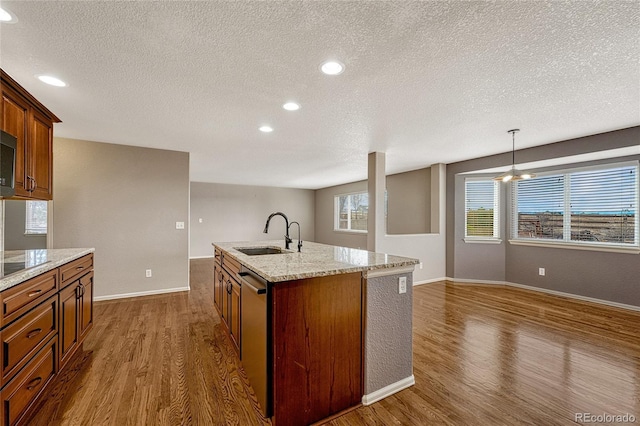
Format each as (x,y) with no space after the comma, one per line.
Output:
(44,259)
(315,260)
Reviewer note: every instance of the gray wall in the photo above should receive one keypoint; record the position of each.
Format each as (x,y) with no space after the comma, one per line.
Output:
(124,201)
(409,209)
(324,217)
(239,213)
(601,275)
(388,334)
(14,236)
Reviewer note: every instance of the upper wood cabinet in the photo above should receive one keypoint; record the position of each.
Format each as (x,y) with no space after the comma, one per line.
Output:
(32,124)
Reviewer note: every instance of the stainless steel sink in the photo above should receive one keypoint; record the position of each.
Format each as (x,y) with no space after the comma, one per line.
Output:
(259,251)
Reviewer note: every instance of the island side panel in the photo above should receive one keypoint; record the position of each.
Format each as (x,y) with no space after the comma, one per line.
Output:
(388,351)
(317,341)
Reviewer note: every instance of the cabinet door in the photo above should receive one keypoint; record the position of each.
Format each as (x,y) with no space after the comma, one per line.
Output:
(85,306)
(15,114)
(41,156)
(225,299)
(68,330)
(234,315)
(216,286)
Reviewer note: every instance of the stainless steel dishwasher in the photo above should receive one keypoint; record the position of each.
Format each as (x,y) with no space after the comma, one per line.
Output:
(255,336)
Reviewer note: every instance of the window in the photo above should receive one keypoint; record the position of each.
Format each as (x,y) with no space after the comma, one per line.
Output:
(481,209)
(351,212)
(36,220)
(589,206)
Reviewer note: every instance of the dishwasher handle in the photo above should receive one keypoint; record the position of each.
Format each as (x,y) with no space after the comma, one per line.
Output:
(252,283)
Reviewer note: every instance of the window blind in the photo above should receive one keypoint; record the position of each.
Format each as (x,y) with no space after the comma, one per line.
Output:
(36,217)
(481,208)
(591,206)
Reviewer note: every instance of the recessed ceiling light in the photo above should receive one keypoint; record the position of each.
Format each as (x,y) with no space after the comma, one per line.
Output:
(332,68)
(266,129)
(52,80)
(291,106)
(6,16)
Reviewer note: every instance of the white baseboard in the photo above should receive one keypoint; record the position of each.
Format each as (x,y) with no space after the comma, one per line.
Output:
(547,291)
(139,294)
(430,281)
(200,257)
(388,390)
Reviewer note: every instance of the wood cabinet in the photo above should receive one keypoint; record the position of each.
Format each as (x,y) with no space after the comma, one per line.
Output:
(76,315)
(234,314)
(32,124)
(226,296)
(317,347)
(44,321)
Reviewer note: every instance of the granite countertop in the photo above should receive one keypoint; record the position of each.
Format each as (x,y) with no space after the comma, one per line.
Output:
(44,259)
(315,260)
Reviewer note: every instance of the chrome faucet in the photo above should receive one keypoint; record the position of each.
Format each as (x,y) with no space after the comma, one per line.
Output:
(299,240)
(287,240)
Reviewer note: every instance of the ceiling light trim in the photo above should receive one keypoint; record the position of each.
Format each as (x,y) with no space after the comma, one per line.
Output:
(332,67)
(7,17)
(51,80)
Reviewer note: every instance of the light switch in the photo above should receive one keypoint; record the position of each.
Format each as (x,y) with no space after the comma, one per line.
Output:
(200,220)
(179,225)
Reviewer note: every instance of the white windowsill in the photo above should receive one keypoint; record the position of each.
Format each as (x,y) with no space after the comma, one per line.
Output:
(574,246)
(472,240)
(350,231)
(33,234)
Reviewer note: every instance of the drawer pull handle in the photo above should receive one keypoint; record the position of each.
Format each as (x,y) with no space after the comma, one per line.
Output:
(34,333)
(35,382)
(34,293)
(79,268)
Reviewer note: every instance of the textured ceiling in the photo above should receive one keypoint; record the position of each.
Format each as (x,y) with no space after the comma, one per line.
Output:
(425,82)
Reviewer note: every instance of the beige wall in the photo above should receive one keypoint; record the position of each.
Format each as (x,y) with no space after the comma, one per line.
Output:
(239,213)
(124,201)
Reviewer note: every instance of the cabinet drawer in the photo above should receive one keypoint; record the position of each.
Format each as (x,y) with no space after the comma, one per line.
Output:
(75,268)
(21,392)
(232,266)
(19,299)
(23,337)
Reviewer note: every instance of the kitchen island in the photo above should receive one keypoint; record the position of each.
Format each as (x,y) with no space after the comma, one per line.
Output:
(47,312)
(320,331)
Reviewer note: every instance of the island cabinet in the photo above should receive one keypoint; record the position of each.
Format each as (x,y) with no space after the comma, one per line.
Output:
(24,117)
(226,295)
(317,354)
(43,322)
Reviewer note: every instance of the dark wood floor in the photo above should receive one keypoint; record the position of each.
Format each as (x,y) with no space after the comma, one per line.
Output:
(482,355)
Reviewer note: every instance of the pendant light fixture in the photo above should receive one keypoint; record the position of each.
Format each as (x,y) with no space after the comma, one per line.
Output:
(513,174)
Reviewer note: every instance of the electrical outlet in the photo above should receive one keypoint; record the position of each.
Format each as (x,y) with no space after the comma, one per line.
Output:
(402,285)
(541,272)
(200,220)
(420,265)
(147,273)
(179,225)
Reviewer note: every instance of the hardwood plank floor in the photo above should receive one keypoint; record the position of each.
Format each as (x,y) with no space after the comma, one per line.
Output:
(482,355)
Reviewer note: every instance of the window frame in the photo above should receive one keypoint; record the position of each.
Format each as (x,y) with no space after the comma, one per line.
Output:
(336,213)
(30,231)
(496,238)
(566,241)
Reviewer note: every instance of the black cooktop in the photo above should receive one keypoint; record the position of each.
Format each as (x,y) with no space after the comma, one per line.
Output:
(12,267)
(20,261)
